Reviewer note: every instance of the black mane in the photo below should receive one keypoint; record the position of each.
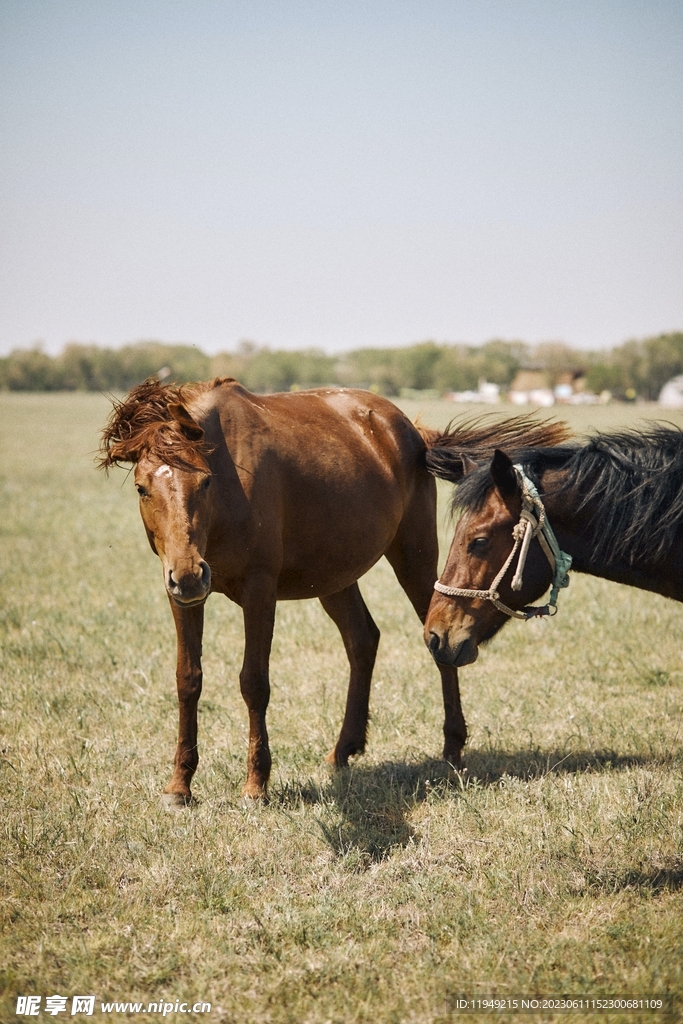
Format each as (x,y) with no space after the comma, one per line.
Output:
(630,483)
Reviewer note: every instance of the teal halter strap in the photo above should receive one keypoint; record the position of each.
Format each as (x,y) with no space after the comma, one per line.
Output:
(560,561)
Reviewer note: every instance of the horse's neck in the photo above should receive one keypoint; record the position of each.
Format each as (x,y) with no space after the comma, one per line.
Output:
(571,526)
(577,536)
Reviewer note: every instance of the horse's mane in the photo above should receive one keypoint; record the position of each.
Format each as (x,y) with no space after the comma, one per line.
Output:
(477,439)
(142,422)
(630,483)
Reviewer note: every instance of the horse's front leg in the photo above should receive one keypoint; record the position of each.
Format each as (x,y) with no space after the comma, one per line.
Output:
(258,607)
(454,728)
(189,624)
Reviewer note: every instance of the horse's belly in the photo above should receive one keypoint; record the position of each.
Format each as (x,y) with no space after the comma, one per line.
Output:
(297,584)
(326,564)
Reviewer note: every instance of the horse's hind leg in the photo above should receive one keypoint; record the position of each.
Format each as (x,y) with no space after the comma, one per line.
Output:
(258,608)
(348,611)
(413,555)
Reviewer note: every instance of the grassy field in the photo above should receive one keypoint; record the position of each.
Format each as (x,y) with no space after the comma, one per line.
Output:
(375,894)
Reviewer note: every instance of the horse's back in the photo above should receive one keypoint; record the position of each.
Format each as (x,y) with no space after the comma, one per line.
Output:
(327,475)
(312,430)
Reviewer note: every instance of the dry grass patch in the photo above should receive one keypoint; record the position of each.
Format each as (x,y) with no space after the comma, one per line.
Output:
(554,865)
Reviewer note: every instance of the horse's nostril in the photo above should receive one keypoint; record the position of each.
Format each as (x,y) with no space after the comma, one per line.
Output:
(434,641)
(189,583)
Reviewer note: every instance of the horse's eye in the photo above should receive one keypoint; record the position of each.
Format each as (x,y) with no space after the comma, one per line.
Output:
(478,545)
(206,483)
(141,490)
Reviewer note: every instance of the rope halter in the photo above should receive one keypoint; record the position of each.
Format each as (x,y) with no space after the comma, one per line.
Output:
(532,523)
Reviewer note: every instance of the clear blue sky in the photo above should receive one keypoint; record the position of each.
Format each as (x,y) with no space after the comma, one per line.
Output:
(340,172)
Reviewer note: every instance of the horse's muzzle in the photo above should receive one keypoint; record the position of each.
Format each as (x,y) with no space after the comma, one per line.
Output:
(465,652)
(191,587)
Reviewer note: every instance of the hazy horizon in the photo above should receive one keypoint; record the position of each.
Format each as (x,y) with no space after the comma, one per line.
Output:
(340,176)
(39,345)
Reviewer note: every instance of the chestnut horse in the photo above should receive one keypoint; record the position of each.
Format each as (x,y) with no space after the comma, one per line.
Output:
(614,504)
(287,496)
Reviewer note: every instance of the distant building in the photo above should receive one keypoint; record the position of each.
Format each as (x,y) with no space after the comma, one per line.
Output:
(487,393)
(671,395)
(531,387)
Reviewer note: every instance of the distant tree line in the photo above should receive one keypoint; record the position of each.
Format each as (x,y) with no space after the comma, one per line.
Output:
(636,367)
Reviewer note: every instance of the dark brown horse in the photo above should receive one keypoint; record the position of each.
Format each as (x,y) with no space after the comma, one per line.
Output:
(287,496)
(615,506)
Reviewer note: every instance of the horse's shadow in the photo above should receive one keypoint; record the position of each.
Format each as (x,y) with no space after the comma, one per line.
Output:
(656,880)
(373,803)
(489,766)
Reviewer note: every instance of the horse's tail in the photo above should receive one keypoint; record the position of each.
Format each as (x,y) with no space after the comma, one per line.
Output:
(475,440)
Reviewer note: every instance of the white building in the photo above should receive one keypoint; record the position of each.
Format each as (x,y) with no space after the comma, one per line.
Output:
(671,395)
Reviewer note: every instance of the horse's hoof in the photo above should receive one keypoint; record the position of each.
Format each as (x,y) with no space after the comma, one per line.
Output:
(175,801)
(454,759)
(254,792)
(338,757)
(250,802)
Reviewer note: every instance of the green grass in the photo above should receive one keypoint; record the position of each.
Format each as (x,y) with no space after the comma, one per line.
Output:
(376,894)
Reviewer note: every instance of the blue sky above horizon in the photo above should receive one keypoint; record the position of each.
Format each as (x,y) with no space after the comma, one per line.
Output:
(339,175)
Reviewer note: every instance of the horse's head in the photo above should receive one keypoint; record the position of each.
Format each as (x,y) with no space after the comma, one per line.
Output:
(483,541)
(175,505)
(153,429)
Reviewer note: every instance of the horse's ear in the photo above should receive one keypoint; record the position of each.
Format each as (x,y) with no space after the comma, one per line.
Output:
(189,427)
(503,473)
(468,465)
